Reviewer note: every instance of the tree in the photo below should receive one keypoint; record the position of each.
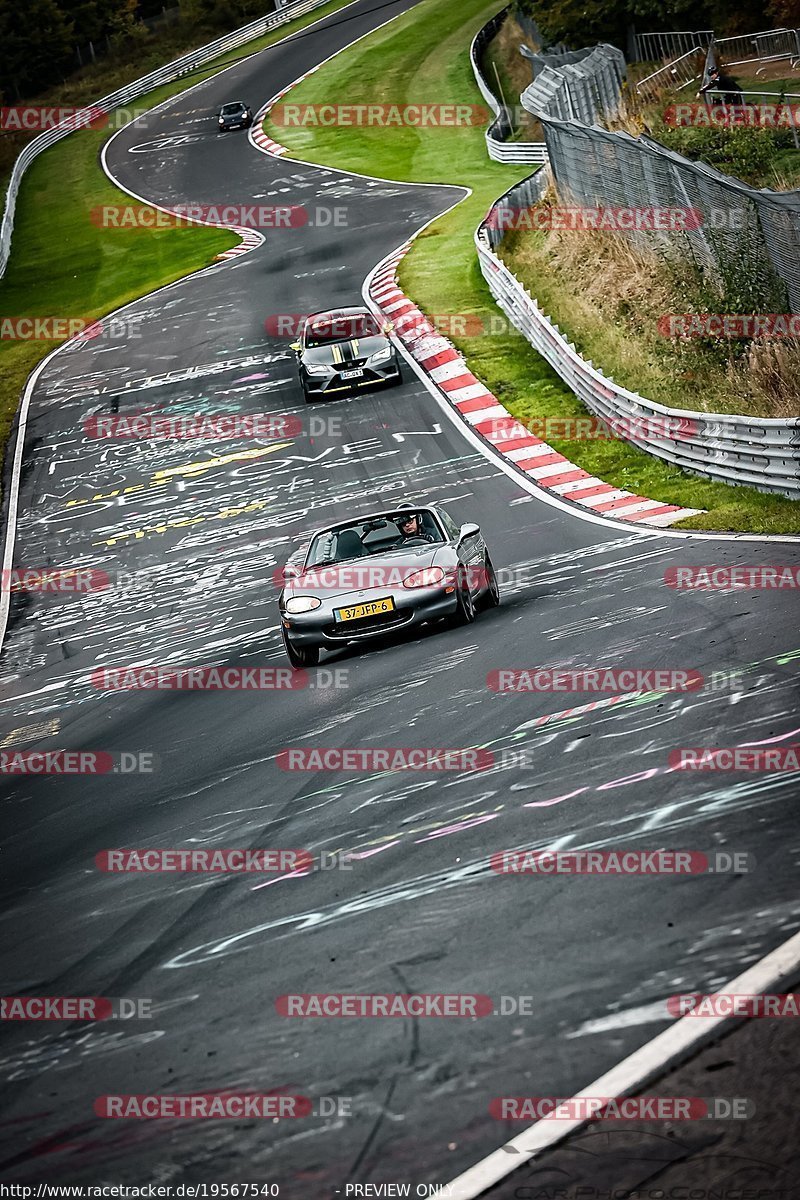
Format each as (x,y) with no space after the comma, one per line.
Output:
(784,13)
(37,48)
(585,22)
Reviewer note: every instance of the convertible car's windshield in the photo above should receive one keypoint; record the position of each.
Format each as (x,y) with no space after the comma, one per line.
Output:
(378,535)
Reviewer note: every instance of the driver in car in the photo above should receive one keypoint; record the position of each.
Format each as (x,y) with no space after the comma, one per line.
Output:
(411,528)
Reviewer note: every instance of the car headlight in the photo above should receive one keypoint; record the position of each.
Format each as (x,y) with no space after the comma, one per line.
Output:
(221,121)
(381,355)
(428,577)
(301,604)
(315,369)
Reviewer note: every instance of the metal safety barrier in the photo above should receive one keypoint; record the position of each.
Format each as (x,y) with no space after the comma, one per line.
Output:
(588,88)
(763,453)
(650,47)
(498,147)
(174,70)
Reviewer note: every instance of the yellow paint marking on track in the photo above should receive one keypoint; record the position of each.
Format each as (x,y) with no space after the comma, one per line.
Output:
(29,733)
(222,460)
(222,515)
(162,477)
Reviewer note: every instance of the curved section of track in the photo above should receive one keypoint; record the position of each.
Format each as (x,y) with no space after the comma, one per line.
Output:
(191,535)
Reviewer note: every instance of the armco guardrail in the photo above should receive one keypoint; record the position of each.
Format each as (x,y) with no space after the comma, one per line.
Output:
(761,453)
(497,145)
(174,70)
(587,89)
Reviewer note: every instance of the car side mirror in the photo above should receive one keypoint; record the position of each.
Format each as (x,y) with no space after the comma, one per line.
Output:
(296,347)
(387,327)
(468,530)
(291,571)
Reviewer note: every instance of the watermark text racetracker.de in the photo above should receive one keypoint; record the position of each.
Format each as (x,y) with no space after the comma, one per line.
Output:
(731,326)
(58,581)
(576,219)
(619,680)
(379,116)
(735,1004)
(203,860)
(180,860)
(133,1191)
(238,216)
(621,1108)
(37,118)
(270,1106)
(169,677)
(622,862)
(78,762)
(503,432)
(74,1008)
(156,425)
(735,758)
(354,759)
(600,679)
(37,328)
(726,116)
(710,577)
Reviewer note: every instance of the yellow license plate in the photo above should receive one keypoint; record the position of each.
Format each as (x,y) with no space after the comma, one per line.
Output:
(370,609)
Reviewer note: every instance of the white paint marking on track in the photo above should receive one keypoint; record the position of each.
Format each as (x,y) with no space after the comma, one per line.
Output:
(24,408)
(665,1050)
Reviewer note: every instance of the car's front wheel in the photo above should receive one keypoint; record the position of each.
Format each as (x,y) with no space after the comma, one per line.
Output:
(465,605)
(492,594)
(306,394)
(299,656)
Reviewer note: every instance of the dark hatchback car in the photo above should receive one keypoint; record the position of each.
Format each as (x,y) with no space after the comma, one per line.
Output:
(235,115)
(372,575)
(345,350)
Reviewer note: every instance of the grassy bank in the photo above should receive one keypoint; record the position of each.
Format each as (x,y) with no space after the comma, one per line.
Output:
(63,265)
(423,56)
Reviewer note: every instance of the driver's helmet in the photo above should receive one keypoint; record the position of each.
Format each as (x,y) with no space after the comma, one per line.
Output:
(406,517)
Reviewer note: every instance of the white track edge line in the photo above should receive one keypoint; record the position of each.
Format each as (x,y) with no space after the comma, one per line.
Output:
(650,1061)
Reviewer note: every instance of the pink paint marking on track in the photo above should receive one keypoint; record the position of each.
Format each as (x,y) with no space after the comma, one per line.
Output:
(279,878)
(369,853)
(446,830)
(555,800)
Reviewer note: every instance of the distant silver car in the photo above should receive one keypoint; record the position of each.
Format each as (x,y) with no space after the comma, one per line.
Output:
(370,575)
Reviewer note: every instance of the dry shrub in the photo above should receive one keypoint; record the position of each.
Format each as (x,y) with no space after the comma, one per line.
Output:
(770,372)
(609,292)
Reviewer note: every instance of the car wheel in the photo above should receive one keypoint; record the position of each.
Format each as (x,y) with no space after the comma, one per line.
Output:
(465,605)
(306,395)
(399,373)
(299,656)
(492,595)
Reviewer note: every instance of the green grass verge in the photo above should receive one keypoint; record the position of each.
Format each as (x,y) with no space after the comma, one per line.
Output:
(62,265)
(422,57)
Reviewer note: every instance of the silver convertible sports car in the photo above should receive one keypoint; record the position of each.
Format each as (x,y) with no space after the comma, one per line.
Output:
(385,571)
